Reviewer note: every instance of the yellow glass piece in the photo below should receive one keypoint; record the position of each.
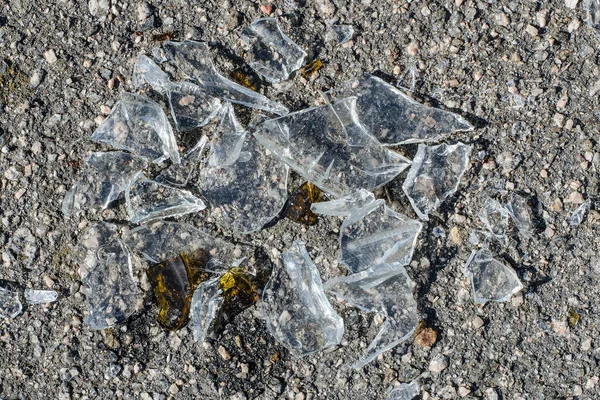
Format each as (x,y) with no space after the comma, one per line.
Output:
(298,206)
(311,68)
(573,318)
(243,79)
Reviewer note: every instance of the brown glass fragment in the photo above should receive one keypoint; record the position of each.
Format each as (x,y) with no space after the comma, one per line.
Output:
(239,292)
(244,79)
(298,206)
(161,37)
(311,68)
(573,318)
(174,282)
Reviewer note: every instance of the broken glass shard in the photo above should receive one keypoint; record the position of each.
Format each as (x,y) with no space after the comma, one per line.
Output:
(149,200)
(346,205)
(339,33)
(206,302)
(408,81)
(491,279)
(240,290)
(406,391)
(392,117)
(435,175)
(495,218)
(272,54)
(298,208)
(519,212)
(580,213)
(10,305)
(317,146)
(295,308)
(228,139)
(139,125)
(310,69)
(106,271)
(384,289)
(376,235)
(145,70)
(40,296)
(593,14)
(180,174)
(194,61)
(174,282)
(105,176)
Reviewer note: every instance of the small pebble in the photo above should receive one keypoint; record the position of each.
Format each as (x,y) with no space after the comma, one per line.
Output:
(571,3)
(104,109)
(575,198)
(267,8)
(413,48)
(477,322)
(438,364)
(532,30)
(224,353)
(50,56)
(463,391)
(36,78)
(426,337)
(144,11)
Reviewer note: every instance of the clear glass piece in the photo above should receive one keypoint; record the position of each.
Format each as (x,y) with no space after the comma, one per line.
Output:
(593,13)
(106,272)
(384,289)
(40,296)
(145,70)
(344,206)
(434,175)
(139,125)
(228,139)
(580,213)
(339,33)
(519,212)
(491,279)
(10,305)
(149,200)
(206,303)
(406,391)
(392,117)
(295,308)
(495,218)
(272,54)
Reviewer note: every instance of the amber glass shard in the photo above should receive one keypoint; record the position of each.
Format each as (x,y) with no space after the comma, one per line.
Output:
(311,68)
(298,206)
(244,79)
(174,282)
(239,290)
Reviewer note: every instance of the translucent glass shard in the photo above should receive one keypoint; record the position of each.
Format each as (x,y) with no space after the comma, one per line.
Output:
(272,54)
(194,61)
(206,303)
(149,200)
(580,213)
(105,269)
(228,139)
(346,205)
(317,146)
(10,305)
(298,207)
(295,308)
(339,33)
(490,278)
(593,13)
(495,218)
(40,296)
(406,391)
(105,176)
(377,235)
(147,71)
(384,289)
(434,175)
(392,117)
(139,125)
(240,291)
(519,212)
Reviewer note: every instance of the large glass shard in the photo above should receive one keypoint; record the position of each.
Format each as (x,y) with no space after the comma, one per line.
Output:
(149,200)
(40,296)
(228,139)
(298,208)
(385,289)
(317,146)
(392,117)
(272,54)
(161,240)
(495,218)
(174,282)
(180,174)
(519,212)
(376,235)
(206,303)
(105,176)
(491,279)
(593,13)
(580,213)
(340,33)
(10,305)
(194,61)
(106,272)
(406,391)
(346,205)
(295,308)
(435,175)
(145,70)
(139,125)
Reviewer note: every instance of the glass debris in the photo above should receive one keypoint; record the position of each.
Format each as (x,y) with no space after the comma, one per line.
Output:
(434,175)
(145,70)
(392,117)
(385,289)
(495,218)
(295,308)
(298,207)
(338,159)
(40,296)
(593,14)
(174,282)
(374,235)
(106,271)
(10,305)
(408,81)
(519,212)
(580,213)
(244,79)
(310,69)
(491,279)
(194,60)
(346,205)
(240,291)
(206,302)
(149,200)
(180,174)
(105,176)
(272,54)
(139,125)
(339,33)
(406,391)
(228,139)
